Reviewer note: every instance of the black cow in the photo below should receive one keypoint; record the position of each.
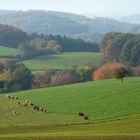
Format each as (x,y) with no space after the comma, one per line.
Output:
(86,118)
(81,114)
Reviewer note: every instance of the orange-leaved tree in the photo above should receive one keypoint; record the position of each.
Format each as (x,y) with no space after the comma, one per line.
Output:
(107,71)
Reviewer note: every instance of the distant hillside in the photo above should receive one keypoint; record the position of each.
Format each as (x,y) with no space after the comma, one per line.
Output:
(134,19)
(50,22)
(90,37)
(11,36)
(43,22)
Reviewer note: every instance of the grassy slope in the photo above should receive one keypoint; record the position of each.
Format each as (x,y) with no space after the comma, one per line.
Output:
(59,61)
(7,51)
(28,116)
(121,129)
(99,100)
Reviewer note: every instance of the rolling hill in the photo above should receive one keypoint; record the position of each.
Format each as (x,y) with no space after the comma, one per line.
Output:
(51,22)
(100,100)
(11,36)
(134,19)
(113,110)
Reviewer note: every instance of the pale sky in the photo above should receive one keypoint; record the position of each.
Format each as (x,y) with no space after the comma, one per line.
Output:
(97,7)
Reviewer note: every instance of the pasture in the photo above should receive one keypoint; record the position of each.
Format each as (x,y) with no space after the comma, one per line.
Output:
(5,51)
(125,129)
(63,61)
(113,110)
(99,100)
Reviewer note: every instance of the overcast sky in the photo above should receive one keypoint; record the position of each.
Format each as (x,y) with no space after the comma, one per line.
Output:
(97,7)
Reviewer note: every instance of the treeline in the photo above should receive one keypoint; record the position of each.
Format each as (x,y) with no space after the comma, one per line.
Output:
(52,77)
(38,44)
(49,44)
(121,47)
(69,44)
(16,77)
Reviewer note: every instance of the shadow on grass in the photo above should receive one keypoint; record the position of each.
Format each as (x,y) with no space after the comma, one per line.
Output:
(47,57)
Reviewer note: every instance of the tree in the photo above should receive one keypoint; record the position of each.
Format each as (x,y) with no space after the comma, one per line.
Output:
(33,47)
(1,68)
(121,73)
(53,47)
(21,79)
(63,79)
(84,74)
(106,71)
(121,47)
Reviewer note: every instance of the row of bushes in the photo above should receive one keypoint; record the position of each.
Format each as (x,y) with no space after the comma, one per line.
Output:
(109,71)
(15,77)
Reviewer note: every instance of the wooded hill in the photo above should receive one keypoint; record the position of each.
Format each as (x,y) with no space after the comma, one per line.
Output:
(50,22)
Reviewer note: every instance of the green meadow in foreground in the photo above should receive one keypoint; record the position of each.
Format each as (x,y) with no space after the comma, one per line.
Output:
(125,129)
(99,100)
(7,51)
(63,61)
(113,110)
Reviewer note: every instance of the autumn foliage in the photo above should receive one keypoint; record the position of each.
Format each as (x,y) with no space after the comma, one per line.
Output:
(106,71)
(136,71)
(63,79)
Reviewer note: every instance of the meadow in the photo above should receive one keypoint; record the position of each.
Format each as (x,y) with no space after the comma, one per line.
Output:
(63,61)
(99,100)
(7,51)
(113,110)
(124,129)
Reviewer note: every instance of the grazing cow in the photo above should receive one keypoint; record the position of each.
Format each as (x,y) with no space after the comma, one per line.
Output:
(12,97)
(8,96)
(24,104)
(81,114)
(14,112)
(35,107)
(41,109)
(30,103)
(16,98)
(18,103)
(27,101)
(86,118)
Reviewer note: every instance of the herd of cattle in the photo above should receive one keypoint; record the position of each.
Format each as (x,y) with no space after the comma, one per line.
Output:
(28,103)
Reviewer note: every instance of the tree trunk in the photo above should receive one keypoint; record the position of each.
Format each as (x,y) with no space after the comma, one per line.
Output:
(121,80)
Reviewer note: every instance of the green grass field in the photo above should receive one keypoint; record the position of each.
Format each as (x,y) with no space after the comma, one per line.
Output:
(7,51)
(63,61)
(125,129)
(99,100)
(113,110)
